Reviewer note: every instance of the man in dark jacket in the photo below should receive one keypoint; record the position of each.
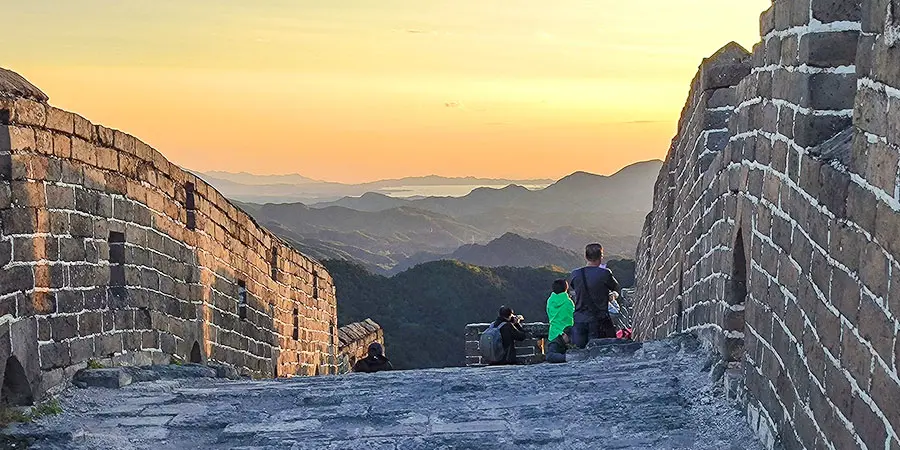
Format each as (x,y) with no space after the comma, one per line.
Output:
(511,331)
(593,285)
(556,350)
(375,362)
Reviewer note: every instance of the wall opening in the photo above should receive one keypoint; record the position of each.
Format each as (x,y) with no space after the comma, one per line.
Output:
(679,327)
(196,354)
(16,390)
(296,324)
(315,281)
(117,264)
(191,206)
(736,323)
(273,263)
(242,300)
(670,199)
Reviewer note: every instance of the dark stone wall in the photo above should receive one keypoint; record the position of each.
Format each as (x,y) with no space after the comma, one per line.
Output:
(782,251)
(108,251)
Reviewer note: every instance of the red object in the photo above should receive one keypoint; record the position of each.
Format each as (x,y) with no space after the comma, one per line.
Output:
(624,334)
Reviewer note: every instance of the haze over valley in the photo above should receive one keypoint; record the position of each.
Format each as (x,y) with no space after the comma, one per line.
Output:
(506,226)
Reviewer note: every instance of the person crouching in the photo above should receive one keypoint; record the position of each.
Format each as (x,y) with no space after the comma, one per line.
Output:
(556,350)
(375,361)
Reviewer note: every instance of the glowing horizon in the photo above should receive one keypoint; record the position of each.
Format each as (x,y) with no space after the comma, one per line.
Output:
(351,92)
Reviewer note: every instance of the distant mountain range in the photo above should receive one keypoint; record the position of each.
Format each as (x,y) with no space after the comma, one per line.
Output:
(388,234)
(294,188)
(509,250)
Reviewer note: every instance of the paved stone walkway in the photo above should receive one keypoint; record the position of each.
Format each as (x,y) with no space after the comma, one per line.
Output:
(657,399)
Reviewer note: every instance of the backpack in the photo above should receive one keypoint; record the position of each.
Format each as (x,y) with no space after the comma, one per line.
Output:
(491,344)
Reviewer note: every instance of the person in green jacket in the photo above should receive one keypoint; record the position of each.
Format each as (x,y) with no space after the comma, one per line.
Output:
(560,309)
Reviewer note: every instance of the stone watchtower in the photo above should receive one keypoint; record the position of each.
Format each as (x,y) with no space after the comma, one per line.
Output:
(110,252)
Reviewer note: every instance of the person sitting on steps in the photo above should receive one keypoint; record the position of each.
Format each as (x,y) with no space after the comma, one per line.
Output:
(556,350)
(498,342)
(594,285)
(375,361)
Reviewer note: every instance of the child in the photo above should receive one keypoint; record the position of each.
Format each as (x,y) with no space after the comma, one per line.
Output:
(556,350)
(560,309)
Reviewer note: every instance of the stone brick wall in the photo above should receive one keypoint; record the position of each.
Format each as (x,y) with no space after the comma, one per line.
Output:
(108,251)
(782,251)
(529,351)
(354,340)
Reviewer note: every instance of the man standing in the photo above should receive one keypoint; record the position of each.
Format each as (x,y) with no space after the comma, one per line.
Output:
(593,285)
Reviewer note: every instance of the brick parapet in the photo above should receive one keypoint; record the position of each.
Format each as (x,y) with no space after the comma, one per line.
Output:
(529,351)
(354,340)
(808,185)
(68,188)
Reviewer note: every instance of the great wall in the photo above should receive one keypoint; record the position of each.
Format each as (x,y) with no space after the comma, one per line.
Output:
(774,238)
(775,233)
(111,253)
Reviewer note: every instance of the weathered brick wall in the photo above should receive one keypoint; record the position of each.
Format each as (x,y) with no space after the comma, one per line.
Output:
(109,251)
(529,351)
(354,340)
(783,251)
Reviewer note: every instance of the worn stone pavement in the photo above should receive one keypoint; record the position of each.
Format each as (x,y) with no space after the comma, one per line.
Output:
(660,398)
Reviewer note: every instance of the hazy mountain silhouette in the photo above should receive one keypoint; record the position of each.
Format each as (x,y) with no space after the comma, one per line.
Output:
(509,250)
(389,234)
(247,187)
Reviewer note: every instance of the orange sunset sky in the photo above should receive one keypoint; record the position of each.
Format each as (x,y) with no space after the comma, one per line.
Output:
(358,90)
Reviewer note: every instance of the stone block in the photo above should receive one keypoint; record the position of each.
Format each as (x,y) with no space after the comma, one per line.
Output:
(887,222)
(868,424)
(829,49)
(782,12)
(113,378)
(845,294)
(104,136)
(831,91)
(767,22)
(30,112)
(876,328)
(835,190)
(810,131)
(55,354)
(16,278)
(107,345)
(887,63)
(871,109)
(59,120)
(827,11)
(17,138)
(84,151)
(60,197)
(64,327)
(81,350)
(881,169)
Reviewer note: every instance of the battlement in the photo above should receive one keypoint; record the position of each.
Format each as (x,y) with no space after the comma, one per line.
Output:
(110,252)
(529,351)
(779,244)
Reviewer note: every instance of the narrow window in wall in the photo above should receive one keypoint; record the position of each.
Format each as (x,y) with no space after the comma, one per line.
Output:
(273,263)
(117,263)
(670,199)
(242,300)
(296,324)
(315,281)
(190,205)
(680,312)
